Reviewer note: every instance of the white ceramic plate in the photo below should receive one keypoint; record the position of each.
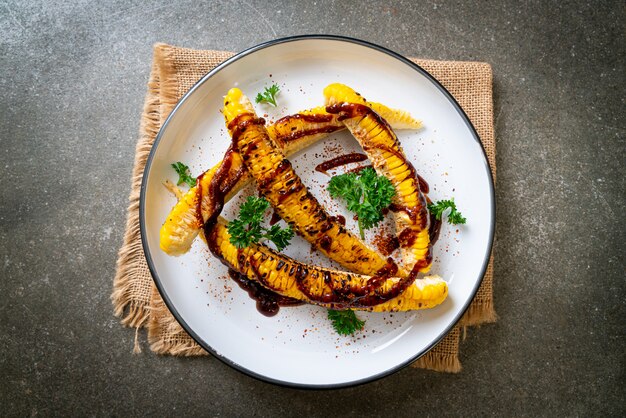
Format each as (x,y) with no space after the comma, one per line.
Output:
(298,347)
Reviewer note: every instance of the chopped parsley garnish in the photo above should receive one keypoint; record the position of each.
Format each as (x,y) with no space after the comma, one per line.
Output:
(454,216)
(247,229)
(268,95)
(183,174)
(345,322)
(365,193)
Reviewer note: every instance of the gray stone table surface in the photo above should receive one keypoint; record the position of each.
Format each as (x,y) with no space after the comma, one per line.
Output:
(72,82)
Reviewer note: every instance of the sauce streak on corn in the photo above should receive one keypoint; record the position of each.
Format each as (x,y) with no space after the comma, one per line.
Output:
(199,216)
(340,219)
(275,218)
(388,244)
(418,214)
(424,188)
(227,181)
(346,293)
(389,270)
(434,229)
(316,118)
(297,133)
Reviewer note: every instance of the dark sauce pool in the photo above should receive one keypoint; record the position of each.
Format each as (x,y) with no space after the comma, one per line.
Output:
(268,303)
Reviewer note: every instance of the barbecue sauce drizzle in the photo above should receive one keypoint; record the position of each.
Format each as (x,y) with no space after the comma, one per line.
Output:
(268,302)
(299,133)
(354,157)
(416,214)
(275,218)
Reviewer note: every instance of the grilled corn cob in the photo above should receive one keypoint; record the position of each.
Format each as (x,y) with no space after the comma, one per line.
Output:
(282,187)
(184,221)
(291,133)
(320,286)
(384,150)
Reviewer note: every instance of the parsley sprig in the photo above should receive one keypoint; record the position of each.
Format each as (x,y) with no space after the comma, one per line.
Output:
(247,229)
(454,216)
(268,95)
(183,174)
(365,193)
(345,322)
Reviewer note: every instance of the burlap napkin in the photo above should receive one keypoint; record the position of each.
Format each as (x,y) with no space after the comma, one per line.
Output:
(174,71)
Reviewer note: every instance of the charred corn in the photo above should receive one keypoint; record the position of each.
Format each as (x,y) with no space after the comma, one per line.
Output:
(184,221)
(282,187)
(384,150)
(291,133)
(295,132)
(320,286)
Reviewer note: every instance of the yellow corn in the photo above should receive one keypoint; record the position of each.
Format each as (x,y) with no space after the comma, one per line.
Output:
(398,119)
(309,283)
(291,133)
(384,150)
(295,132)
(282,187)
(182,218)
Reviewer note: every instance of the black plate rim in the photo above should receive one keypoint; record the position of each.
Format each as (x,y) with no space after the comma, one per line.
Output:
(155,275)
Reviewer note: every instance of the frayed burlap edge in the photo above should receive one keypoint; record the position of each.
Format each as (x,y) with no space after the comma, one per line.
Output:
(166,336)
(160,100)
(481,311)
(126,304)
(446,359)
(169,95)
